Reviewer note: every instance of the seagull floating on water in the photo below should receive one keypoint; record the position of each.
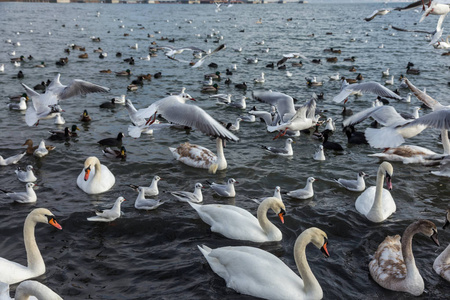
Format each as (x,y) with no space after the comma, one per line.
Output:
(108,215)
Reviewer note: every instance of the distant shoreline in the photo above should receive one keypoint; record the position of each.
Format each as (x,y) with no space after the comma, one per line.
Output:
(161,1)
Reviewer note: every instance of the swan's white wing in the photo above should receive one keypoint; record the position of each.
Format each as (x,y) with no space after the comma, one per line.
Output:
(366,87)
(427,100)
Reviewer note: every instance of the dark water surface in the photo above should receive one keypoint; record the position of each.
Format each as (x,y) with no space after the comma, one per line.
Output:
(154,255)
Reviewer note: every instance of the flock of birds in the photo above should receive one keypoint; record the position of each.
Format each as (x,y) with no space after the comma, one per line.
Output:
(248,270)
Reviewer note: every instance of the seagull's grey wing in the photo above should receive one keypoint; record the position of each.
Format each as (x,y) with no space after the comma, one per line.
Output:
(276,150)
(193,49)
(194,116)
(30,91)
(385,115)
(35,97)
(438,119)
(167,47)
(360,116)
(284,59)
(371,16)
(427,100)
(310,108)
(284,103)
(367,87)
(349,184)
(200,62)
(413,5)
(79,87)
(407,30)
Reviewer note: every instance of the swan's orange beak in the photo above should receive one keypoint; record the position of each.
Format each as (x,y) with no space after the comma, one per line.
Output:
(281,215)
(53,222)
(87,171)
(325,250)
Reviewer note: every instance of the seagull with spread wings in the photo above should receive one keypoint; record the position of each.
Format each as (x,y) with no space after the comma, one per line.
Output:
(46,106)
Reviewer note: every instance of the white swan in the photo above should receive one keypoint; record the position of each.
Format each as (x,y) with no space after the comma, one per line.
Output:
(95,177)
(237,223)
(12,272)
(442,263)
(258,273)
(200,157)
(393,265)
(376,203)
(28,290)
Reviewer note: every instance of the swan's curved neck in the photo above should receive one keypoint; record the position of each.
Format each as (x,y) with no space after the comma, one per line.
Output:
(98,173)
(264,222)
(34,257)
(408,257)
(445,141)
(311,285)
(221,161)
(377,204)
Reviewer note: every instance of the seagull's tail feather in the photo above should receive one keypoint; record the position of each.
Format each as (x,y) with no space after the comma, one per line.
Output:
(31,116)
(385,137)
(134,131)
